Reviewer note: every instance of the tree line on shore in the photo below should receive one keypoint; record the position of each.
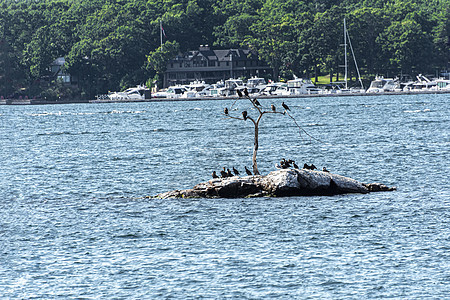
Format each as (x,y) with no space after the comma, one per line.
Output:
(113,44)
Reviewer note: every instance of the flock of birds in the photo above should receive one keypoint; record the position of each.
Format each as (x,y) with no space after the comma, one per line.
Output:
(284,164)
(255,102)
(227,173)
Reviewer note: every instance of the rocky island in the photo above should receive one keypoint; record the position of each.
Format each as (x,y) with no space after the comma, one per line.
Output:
(279,183)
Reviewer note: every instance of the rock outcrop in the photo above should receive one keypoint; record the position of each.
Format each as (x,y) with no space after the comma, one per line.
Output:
(284,182)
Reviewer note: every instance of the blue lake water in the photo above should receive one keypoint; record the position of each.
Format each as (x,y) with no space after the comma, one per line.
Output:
(75,222)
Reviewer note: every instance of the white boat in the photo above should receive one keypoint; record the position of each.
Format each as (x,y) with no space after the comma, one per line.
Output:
(256,85)
(423,84)
(139,92)
(381,85)
(195,89)
(301,86)
(230,87)
(172,92)
(275,88)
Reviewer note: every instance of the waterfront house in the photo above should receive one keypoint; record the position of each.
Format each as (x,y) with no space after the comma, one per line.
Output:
(211,66)
(57,71)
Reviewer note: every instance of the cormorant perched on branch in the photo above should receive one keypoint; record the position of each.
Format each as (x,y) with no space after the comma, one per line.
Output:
(236,172)
(273,108)
(225,111)
(244,115)
(256,102)
(214,175)
(245,92)
(285,106)
(239,93)
(248,171)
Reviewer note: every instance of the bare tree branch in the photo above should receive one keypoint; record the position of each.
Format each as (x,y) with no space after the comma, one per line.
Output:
(261,110)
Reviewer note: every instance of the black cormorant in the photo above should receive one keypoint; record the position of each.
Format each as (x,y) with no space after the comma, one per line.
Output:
(239,93)
(223,173)
(273,108)
(236,172)
(248,171)
(295,165)
(244,115)
(285,106)
(225,110)
(214,175)
(229,174)
(313,167)
(325,170)
(256,102)
(246,92)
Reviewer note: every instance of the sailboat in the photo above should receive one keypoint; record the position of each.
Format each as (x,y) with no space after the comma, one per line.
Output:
(345,82)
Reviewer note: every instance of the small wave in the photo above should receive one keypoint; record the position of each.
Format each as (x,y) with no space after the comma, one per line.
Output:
(84,114)
(46,114)
(125,112)
(54,133)
(128,236)
(417,111)
(332,282)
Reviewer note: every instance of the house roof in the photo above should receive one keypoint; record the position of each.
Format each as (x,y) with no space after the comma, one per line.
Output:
(218,55)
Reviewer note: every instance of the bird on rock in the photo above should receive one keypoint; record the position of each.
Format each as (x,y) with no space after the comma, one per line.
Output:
(295,165)
(248,171)
(325,170)
(223,173)
(244,115)
(225,110)
(236,172)
(313,167)
(229,174)
(285,106)
(214,175)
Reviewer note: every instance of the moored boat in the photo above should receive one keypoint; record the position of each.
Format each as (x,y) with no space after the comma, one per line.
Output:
(139,92)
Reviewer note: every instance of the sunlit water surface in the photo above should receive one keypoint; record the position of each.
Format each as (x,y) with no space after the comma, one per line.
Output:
(75,222)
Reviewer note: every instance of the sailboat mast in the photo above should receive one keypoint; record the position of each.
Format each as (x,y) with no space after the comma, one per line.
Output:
(354,59)
(161,31)
(345,54)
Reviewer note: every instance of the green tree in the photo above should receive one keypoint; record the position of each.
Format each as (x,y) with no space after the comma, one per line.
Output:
(158,59)
(407,45)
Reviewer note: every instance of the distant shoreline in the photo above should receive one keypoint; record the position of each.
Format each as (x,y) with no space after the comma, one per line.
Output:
(45,102)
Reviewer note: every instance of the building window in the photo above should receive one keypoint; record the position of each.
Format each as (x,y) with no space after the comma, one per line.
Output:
(211,64)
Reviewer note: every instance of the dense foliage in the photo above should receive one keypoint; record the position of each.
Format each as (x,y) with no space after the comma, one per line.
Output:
(113,44)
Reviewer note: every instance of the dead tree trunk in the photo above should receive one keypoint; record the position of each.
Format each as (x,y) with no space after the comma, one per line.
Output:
(256,145)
